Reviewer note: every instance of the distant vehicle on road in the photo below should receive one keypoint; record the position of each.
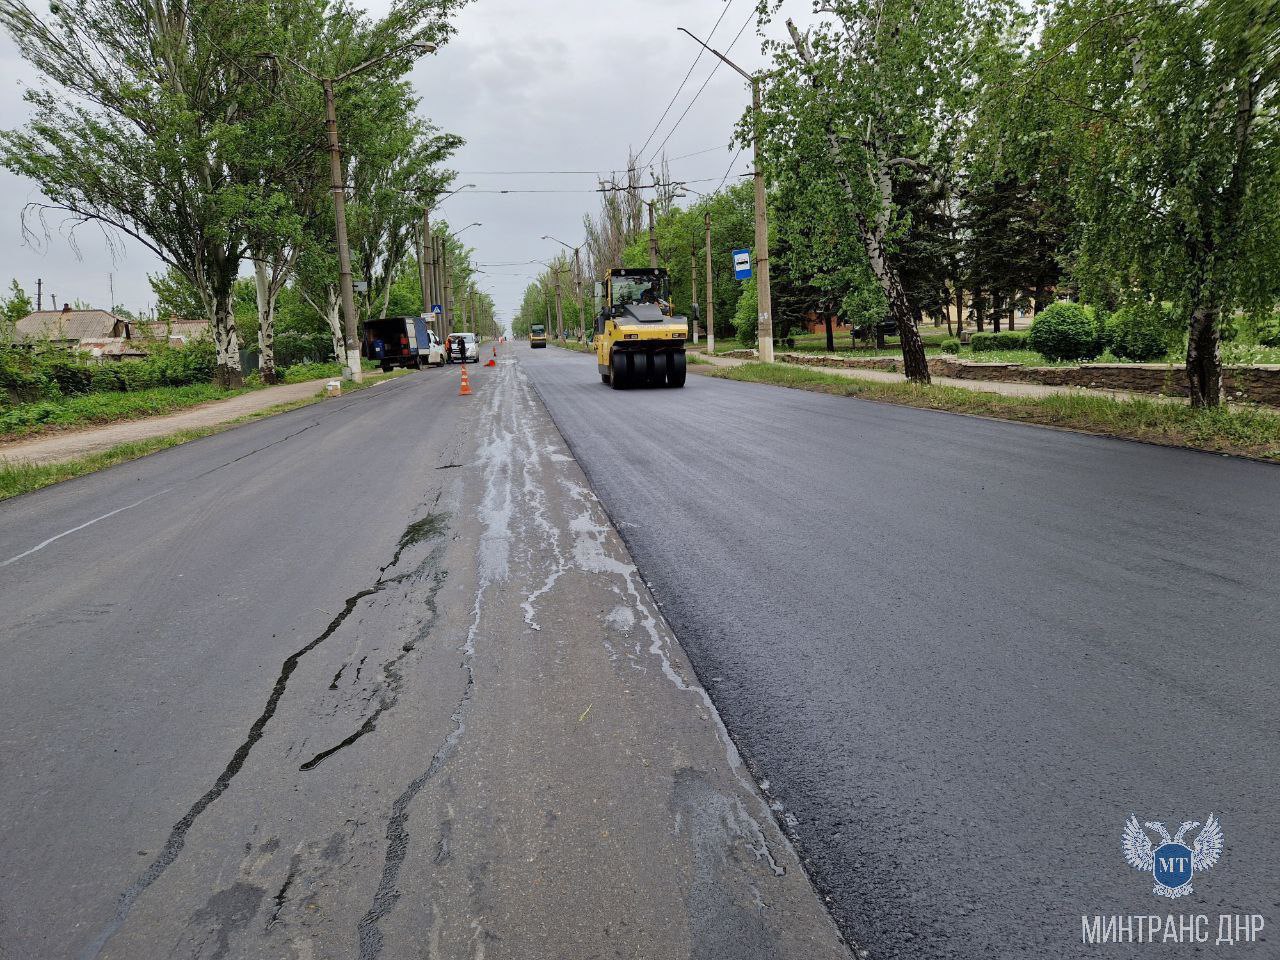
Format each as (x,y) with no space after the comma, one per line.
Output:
(537,336)
(463,348)
(402,342)
(638,338)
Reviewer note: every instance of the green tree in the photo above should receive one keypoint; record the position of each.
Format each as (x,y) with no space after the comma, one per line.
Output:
(1167,120)
(14,307)
(889,84)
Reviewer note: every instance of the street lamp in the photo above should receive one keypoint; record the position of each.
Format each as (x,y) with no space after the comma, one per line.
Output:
(764,326)
(337,185)
(467,227)
(577,283)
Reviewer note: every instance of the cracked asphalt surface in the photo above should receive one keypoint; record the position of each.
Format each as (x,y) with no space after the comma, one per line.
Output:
(375,678)
(959,653)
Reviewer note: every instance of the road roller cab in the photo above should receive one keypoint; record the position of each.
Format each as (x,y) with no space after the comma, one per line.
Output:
(537,336)
(639,342)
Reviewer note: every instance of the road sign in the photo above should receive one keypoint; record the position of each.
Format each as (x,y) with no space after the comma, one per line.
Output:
(742,264)
(437,309)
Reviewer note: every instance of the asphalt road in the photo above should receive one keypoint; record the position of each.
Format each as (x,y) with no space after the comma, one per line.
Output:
(375,678)
(959,653)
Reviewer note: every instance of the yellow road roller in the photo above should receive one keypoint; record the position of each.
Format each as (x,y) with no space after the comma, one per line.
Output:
(639,340)
(537,336)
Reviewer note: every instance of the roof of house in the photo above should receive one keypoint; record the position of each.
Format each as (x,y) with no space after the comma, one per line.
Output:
(70,325)
(176,327)
(112,347)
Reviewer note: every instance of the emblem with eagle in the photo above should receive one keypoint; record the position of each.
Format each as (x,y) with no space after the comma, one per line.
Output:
(1172,862)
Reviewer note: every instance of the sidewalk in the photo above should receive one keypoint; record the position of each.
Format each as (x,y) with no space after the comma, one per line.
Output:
(981,386)
(67,445)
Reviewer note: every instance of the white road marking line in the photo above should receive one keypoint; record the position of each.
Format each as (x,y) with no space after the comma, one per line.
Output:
(41,546)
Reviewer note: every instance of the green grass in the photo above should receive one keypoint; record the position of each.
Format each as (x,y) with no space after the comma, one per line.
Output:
(573,345)
(1243,431)
(19,478)
(24,419)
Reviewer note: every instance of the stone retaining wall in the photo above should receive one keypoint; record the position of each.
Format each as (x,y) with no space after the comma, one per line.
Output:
(1257,384)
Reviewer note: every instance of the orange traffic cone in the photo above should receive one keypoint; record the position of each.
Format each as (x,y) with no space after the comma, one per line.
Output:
(466,382)
(493,361)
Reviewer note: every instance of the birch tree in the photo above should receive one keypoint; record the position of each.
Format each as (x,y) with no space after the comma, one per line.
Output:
(1167,116)
(888,83)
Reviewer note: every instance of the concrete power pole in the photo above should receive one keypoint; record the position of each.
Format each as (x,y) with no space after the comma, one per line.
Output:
(448,290)
(337,185)
(577,281)
(693,292)
(426,264)
(653,239)
(764,319)
(711,304)
(764,316)
(559,309)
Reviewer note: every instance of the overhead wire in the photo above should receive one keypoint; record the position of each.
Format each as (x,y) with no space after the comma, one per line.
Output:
(705,82)
(679,89)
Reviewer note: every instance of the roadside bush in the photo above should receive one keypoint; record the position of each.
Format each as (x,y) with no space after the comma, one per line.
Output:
(71,374)
(951,345)
(746,319)
(22,379)
(1064,331)
(302,372)
(1139,332)
(1007,340)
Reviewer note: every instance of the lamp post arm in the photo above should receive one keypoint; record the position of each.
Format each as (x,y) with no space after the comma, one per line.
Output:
(746,76)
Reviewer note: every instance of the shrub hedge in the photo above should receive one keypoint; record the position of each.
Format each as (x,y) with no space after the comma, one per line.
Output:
(1064,331)
(1141,332)
(28,376)
(1006,340)
(951,345)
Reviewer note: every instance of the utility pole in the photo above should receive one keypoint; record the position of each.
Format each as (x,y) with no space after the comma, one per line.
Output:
(711,304)
(693,291)
(559,308)
(39,294)
(448,288)
(426,263)
(653,238)
(764,326)
(337,186)
(582,304)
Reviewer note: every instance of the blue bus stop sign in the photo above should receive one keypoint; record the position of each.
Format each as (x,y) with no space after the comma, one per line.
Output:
(742,264)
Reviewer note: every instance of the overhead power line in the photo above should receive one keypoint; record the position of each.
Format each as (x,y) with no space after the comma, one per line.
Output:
(676,125)
(675,96)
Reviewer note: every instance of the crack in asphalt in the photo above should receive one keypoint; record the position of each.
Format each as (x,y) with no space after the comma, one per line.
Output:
(178,835)
(432,526)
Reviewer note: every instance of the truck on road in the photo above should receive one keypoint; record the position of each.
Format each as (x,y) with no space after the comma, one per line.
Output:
(402,342)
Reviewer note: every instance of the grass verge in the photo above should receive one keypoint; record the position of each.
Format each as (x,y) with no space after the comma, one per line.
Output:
(44,416)
(575,346)
(1242,431)
(19,478)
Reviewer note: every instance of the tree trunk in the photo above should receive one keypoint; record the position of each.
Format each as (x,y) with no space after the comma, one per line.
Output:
(333,317)
(266,296)
(979,310)
(229,374)
(996,303)
(959,310)
(1204,364)
(831,332)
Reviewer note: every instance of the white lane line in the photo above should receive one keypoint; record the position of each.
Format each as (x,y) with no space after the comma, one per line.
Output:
(65,533)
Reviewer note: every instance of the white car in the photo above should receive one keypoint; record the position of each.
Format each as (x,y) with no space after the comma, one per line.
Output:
(463,345)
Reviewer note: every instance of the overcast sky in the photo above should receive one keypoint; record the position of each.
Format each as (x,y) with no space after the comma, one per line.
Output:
(532,85)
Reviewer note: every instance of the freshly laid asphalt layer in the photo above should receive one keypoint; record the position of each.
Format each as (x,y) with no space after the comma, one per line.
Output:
(959,653)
